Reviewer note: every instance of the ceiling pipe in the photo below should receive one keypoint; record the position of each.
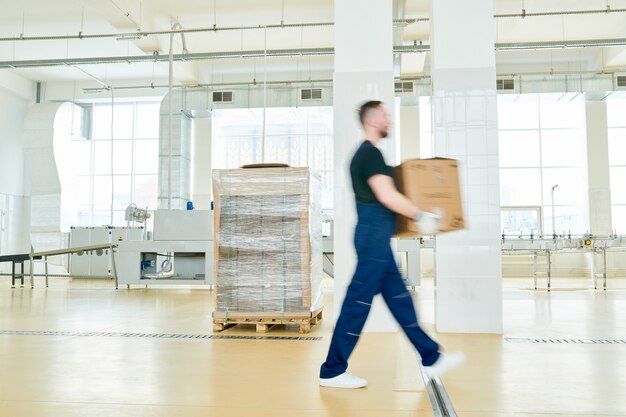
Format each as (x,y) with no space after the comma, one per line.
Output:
(140,34)
(592,43)
(524,14)
(397,22)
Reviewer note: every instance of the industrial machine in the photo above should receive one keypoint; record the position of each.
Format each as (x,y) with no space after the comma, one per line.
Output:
(181,251)
(98,263)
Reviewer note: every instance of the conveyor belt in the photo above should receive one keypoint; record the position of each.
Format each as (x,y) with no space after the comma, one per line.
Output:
(67,251)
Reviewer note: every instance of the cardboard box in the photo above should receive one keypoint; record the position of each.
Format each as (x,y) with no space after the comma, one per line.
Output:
(432,185)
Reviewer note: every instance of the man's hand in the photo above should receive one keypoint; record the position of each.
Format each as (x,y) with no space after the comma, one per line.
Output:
(428,223)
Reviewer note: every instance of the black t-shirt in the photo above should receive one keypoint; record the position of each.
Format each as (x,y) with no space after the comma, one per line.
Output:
(367,162)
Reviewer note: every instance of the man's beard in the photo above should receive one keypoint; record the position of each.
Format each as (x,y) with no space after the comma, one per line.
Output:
(383,133)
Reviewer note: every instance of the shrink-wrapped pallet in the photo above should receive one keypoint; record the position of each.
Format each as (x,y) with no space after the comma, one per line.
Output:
(268,241)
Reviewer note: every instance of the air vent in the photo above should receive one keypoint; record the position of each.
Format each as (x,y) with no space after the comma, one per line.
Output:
(311,94)
(621,80)
(404,87)
(505,84)
(222,96)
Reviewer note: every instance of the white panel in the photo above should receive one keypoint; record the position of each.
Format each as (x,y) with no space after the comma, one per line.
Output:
(201,164)
(409,134)
(412,64)
(79,263)
(185,225)
(99,260)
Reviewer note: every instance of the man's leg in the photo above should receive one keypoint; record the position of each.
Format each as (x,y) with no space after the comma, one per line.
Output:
(356,306)
(401,305)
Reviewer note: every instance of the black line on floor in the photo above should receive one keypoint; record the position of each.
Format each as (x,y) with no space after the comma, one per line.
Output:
(565,341)
(153,335)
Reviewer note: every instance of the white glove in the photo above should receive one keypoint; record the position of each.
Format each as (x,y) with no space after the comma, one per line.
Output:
(428,223)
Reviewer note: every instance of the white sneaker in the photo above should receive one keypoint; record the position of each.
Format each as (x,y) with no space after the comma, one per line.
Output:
(345,380)
(445,363)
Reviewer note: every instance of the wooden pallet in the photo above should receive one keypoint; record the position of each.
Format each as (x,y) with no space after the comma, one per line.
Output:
(265,321)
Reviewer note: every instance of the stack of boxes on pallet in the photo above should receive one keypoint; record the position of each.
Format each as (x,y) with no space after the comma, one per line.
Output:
(268,245)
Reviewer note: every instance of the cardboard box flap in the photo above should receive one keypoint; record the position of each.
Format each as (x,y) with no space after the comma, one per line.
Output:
(268,165)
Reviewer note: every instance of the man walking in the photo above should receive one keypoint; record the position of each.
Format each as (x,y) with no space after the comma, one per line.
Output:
(377,202)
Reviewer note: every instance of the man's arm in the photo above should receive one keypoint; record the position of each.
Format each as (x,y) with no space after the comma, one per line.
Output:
(388,195)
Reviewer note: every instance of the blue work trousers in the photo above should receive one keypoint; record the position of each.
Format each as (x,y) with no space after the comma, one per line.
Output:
(376,273)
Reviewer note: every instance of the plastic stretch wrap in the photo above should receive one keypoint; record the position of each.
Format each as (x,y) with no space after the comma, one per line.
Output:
(268,237)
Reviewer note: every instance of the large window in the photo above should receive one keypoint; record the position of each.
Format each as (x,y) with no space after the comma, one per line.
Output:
(119,164)
(295,136)
(616,122)
(542,144)
(542,147)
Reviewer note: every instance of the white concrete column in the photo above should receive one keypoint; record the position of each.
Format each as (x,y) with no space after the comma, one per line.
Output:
(598,169)
(468,282)
(363,71)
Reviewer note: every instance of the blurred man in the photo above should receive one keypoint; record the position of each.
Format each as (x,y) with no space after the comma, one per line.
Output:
(377,203)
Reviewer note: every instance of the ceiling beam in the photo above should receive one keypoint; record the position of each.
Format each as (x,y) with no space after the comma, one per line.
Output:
(207,56)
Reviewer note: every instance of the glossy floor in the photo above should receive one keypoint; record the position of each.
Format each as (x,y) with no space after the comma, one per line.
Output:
(52,375)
